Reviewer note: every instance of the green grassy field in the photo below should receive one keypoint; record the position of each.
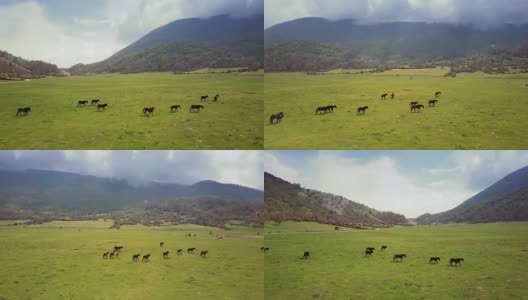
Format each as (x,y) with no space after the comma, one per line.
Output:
(57,123)
(475,111)
(495,258)
(63,260)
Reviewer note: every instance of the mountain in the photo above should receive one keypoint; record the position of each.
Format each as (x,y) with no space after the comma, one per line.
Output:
(317,44)
(287,201)
(506,200)
(37,194)
(12,67)
(189,44)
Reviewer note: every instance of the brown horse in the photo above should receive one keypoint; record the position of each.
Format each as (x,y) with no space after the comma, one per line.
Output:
(23,111)
(384,96)
(416,108)
(306,254)
(362,109)
(166,254)
(216,98)
(203,254)
(434,260)
(179,252)
(145,257)
(118,248)
(101,107)
(457,261)
(278,117)
(331,108)
(148,111)
(190,250)
(369,252)
(321,110)
(82,103)
(95,101)
(438,94)
(432,102)
(383,247)
(175,108)
(135,257)
(196,108)
(105,255)
(204,98)
(399,256)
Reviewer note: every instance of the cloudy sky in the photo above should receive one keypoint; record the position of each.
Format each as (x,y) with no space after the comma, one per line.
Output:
(482,13)
(186,167)
(406,182)
(67,32)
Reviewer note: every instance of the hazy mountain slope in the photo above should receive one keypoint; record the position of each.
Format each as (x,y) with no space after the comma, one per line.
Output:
(189,44)
(287,201)
(506,200)
(16,67)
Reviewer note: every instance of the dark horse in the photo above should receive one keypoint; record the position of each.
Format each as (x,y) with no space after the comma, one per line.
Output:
(369,252)
(321,110)
(204,98)
(331,107)
(175,108)
(398,256)
(162,244)
(135,257)
(82,103)
(362,109)
(203,254)
(145,257)
(392,96)
(417,107)
(383,247)
(112,254)
(438,94)
(457,261)
(105,255)
(434,260)
(95,101)
(179,252)
(216,98)
(196,108)
(432,102)
(190,250)
(266,249)
(306,254)
(148,111)
(277,117)
(166,254)
(23,111)
(118,248)
(384,96)
(101,106)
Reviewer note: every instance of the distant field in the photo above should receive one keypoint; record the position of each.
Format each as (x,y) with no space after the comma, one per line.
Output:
(475,111)
(63,260)
(57,123)
(494,254)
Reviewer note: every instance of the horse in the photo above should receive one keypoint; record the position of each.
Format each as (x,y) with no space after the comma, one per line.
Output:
(383,247)
(145,257)
(392,96)
(321,110)
(148,111)
(105,255)
(175,108)
(266,249)
(417,107)
(216,98)
(101,106)
(369,252)
(438,94)
(434,260)
(203,254)
(456,261)
(331,107)
(23,111)
(362,109)
(261,248)
(166,254)
(135,257)
(196,108)
(162,244)
(95,101)
(82,103)
(306,254)
(112,255)
(204,98)
(413,103)
(190,250)
(118,248)
(277,117)
(179,252)
(384,96)
(400,256)
(433,102)
(336,228)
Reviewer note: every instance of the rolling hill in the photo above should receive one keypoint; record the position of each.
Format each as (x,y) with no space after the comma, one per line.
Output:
(12,67)
(189,44)
(286,201)
(506,200)
(317,44)
(37,195)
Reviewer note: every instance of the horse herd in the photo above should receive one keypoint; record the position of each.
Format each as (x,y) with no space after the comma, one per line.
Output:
(147,111)
(400,256)
(114,254)
(414,105)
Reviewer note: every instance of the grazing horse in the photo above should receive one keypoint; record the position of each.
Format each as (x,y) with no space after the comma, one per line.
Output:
(438,94)
(399,256)
(413,103)
(82,103)
(118,248)
(362,109)
(432,102)
(369,252)
(135,257)
(175,108)
(105,255)
(145,257)
(196,108)
(434,260)
(306,254)
(417,107)
(204,98)
(383,247)
(321,110)
(95,101)
(101,106)
(216,98)
(384,96)
(190,250)
(392,95)
(179,252)
(166,254)
(148,111)
(162,244)
(203,254)
(266,249)
(277,117)
(457,261)
(23,111)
